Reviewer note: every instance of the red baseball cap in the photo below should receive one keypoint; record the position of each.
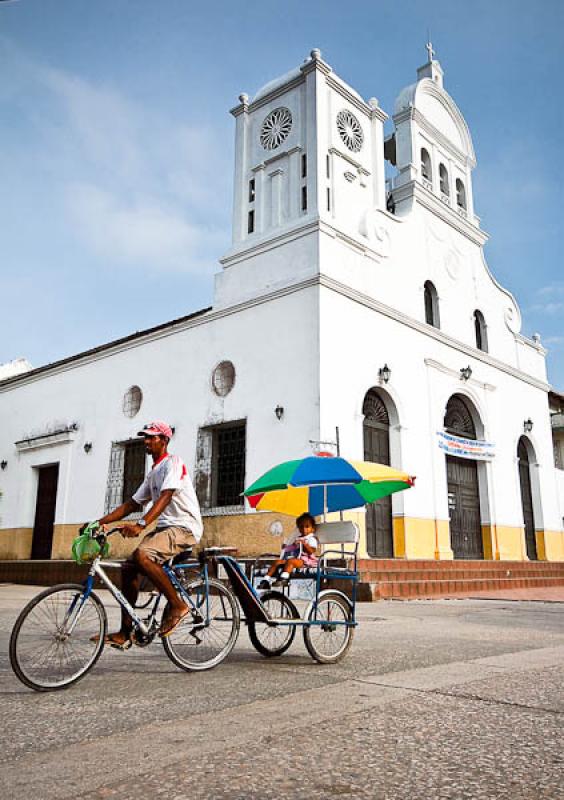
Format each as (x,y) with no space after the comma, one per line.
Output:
(156,428)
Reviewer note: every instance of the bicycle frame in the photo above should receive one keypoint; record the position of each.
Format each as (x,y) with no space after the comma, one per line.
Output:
(97,570)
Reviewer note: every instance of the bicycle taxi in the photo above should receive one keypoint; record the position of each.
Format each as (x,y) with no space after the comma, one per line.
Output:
(60,634)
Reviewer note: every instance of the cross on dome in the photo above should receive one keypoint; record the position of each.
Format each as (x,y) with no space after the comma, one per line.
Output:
(430,51)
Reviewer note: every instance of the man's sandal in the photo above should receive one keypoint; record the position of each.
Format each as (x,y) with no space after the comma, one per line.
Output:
(171,621)
(110,638)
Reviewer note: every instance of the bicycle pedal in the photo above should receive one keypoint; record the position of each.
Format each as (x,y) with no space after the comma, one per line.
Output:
(194,634)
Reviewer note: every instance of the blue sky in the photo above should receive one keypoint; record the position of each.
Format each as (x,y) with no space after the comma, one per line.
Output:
(116,145)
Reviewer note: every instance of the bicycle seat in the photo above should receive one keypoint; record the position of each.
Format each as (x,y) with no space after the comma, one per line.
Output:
(180,557)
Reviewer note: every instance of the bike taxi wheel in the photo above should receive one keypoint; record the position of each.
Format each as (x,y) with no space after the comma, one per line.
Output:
(52,644)
(327,637)
(273,640)
(208,634)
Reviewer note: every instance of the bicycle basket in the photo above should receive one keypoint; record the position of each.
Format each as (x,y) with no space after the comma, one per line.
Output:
(85,549)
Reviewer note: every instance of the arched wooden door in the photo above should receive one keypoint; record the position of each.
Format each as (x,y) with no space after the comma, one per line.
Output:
(463,492)
(376,428)
(527,499)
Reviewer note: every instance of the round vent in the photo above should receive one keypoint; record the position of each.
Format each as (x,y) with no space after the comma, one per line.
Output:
(275,128)
(132,400)
(350,131)
(223,378)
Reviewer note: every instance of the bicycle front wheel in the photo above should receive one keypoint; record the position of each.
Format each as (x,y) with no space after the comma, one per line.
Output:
(58,637)
(273,640)
(329,634)
(208,634)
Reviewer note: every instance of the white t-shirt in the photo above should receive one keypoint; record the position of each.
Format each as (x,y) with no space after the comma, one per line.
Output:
(183,510)
(309,539)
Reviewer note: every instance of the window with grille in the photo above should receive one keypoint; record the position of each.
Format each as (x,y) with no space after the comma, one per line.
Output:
(126,472)
(228,477)
(220,467)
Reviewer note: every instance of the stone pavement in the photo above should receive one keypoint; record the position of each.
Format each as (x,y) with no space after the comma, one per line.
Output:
(449,699)
(542,594)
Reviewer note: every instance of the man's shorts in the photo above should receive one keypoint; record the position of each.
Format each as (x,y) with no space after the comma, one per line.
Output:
(164,543)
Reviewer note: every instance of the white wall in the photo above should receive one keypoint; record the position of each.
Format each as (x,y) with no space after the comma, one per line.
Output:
(273,348)
(357,341)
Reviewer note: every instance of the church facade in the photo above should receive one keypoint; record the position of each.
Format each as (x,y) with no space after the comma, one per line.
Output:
(354,310)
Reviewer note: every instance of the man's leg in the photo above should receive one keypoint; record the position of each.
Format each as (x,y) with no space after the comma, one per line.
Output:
(130,583)
(157,575)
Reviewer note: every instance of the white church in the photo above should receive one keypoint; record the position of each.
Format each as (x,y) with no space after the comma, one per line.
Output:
(349,307)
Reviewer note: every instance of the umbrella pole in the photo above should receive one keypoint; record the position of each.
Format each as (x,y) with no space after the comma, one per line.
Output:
(338,442)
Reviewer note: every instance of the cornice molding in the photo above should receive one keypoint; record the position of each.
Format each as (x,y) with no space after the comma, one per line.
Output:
(352,98)
(268,242)
(430,362)
(275,93)
(334,151)
(413,189)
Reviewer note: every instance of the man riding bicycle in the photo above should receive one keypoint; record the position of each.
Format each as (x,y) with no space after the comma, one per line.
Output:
(179,526)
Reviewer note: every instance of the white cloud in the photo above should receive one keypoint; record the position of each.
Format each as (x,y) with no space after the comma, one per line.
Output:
(139,188)
(547,308)
(554,340)
(555,289)
(136,233)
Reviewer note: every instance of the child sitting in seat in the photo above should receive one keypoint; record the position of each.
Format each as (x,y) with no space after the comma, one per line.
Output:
(298,551)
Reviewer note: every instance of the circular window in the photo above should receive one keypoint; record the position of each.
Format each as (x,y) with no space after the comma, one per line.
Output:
(132,400)
(350,130)
(275,128)
(223,378)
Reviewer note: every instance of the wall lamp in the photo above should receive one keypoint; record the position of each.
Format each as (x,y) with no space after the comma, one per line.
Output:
(3,464)
(528,425)
(279,411)
(87,447)
(384,373)
(465,373)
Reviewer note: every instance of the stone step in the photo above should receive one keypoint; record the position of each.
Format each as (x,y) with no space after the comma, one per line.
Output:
(377,564)
(441,588)
(463,574)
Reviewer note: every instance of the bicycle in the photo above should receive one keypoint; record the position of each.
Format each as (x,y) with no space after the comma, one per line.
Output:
(60,634)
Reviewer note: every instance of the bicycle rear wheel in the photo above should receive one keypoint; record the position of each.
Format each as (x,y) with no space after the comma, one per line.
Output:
(328,637)
(273,640)
(51,644)
(206,636)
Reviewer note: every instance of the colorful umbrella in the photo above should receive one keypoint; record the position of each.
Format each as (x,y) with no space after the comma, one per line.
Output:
(318,485)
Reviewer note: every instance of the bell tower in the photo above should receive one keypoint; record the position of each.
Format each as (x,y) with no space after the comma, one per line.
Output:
(431,148)
(309,153)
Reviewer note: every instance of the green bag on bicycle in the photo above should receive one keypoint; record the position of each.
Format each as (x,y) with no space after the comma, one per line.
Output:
(85,548)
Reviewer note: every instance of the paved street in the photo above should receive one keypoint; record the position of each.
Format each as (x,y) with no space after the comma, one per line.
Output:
(436,699)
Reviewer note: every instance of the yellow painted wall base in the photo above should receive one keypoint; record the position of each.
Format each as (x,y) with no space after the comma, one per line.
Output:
(249,533)
(15,543)
(413,538)
(421,538)
(550,545)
